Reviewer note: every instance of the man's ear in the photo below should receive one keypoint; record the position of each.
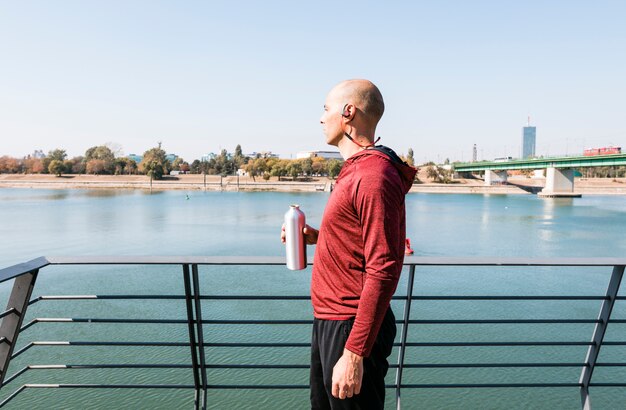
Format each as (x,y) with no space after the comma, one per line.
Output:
(348,111)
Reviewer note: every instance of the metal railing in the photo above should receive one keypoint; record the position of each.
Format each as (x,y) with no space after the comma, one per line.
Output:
(25,276)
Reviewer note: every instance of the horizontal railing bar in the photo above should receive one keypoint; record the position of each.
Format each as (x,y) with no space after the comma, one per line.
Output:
(258,386)
(29,324)
(106,297)
(279,260)
(22,350)
(7,312)
(12,395)
(607,384)
(473,298)
(503,321)
(486,365)
(258,322)
(307,344)
(83,343)
(110,386)
(69,343)
(168,260)
(14,271)
(38,263)
(304,297)
(108,366)
(254,297)
(470,344)
(309,321)
(164,366)
(235,344)
(165,386)
(93,366)
(15,376)
(106,320)
(487,385)
(605,343)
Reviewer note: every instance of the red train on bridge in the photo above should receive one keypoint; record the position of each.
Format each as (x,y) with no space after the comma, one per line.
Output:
(590,152)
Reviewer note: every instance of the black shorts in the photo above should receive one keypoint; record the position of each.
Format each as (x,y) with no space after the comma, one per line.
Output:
(327,344)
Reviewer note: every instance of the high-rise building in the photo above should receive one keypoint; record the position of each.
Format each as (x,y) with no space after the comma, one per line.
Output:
(529,138)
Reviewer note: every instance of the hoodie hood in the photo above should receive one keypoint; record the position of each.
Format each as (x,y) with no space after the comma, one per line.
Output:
(407,172)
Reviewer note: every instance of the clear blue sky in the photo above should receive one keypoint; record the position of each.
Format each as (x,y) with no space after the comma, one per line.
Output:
(205,75)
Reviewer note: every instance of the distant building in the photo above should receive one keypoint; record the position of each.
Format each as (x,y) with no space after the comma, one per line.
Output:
(135,157)
(529,138)
(319,154)
(262,154)
(171,157)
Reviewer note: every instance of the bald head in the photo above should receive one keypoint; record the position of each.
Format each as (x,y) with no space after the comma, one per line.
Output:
(365,95)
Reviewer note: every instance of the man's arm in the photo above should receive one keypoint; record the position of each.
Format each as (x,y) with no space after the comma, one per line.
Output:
(379,200)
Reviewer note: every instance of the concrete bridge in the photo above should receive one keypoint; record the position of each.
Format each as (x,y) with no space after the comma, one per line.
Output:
(559,170)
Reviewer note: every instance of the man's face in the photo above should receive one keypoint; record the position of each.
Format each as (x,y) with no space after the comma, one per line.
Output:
(331,119)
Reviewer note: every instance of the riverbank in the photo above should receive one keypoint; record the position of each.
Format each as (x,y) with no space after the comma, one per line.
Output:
(522,186)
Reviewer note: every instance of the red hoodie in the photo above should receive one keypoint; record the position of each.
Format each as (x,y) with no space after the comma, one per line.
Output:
(360,248)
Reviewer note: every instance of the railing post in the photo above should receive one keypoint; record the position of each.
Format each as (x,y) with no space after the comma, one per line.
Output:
(11,324)
(196,297)
(404,334)
(598,335)
(192,334)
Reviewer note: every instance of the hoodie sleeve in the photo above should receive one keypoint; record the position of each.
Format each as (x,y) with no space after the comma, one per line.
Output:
(379,203)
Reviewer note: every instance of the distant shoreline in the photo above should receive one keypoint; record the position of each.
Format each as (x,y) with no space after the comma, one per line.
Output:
(522,186)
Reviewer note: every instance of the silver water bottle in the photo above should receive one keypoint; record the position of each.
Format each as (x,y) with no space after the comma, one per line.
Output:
(295,245)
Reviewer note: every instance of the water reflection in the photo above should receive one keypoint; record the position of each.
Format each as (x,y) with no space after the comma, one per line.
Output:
(105,193)
(55,196)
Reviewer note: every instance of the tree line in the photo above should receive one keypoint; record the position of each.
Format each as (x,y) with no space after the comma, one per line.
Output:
(102,160)
(98,160)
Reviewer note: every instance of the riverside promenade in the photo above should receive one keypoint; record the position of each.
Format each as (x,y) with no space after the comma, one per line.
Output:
(196,182)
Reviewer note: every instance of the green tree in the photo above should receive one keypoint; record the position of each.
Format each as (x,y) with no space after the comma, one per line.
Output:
(56,167)
(334,167)
(96,166)
(409,158)
(177,163)
(125,165)
(57,154)
(307,166)
(318,166)
(279,169)
(104,154)
(155,163)
(294,169)
(10,165)
(195,167)
(78,165)
(252,168)
(224,164)
(439,174)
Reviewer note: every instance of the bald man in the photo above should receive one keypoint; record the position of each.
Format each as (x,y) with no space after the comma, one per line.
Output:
(359,255)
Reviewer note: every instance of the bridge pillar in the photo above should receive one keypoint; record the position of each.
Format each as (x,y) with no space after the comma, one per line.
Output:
(495,177)
(559,183)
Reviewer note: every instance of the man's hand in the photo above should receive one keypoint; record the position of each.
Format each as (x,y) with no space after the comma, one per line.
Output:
(310,235)
(347,375)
